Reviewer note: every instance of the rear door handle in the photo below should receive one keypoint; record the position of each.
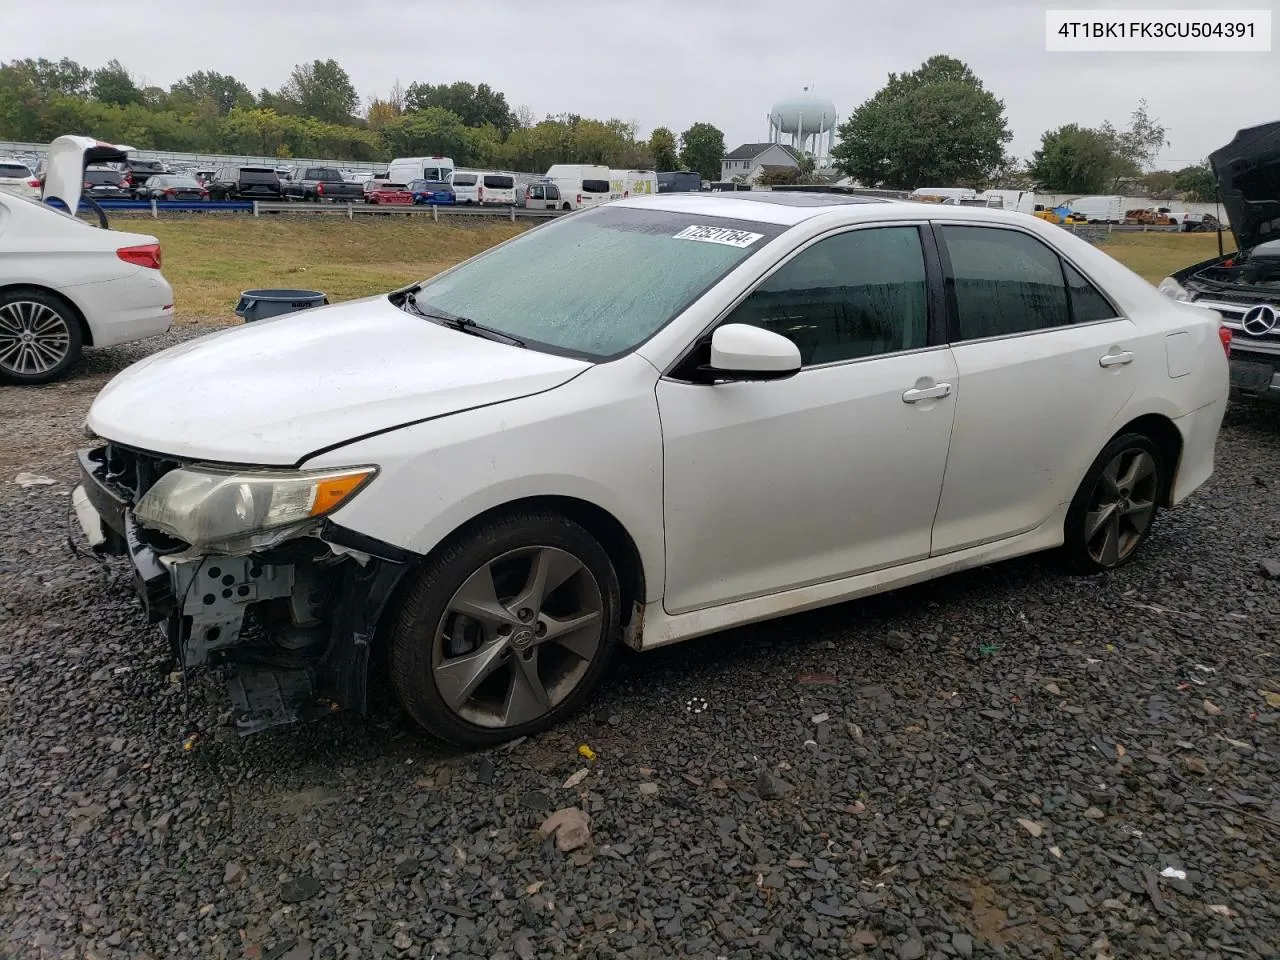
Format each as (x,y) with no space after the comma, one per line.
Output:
(1116,359)
(917,394)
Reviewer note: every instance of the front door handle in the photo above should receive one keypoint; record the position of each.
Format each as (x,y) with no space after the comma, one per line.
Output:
(1116,359)
(917,394)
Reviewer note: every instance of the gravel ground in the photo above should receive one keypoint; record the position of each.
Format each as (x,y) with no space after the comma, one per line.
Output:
(1005,763)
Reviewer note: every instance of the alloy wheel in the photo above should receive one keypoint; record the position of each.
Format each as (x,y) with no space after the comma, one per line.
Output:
(34,338)
(518,637)
(1122,507)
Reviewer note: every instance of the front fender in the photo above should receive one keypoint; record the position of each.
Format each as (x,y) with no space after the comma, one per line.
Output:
(596,439)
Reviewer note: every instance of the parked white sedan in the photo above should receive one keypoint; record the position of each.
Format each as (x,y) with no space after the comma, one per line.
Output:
(741,406)
(65,285)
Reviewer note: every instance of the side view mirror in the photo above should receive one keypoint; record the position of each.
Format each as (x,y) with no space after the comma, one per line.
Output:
(740,351)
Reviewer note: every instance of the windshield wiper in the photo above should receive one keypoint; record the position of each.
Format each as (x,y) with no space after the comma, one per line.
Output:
(461,324)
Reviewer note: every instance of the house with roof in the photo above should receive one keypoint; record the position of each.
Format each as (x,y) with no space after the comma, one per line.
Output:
(744,161)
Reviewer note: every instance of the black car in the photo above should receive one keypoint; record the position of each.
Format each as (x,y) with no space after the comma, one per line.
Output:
(106,183)
(173,186)
(245,183)
(1244,286)
(138,172)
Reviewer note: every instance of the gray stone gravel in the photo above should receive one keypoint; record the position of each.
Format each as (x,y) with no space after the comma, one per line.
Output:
(888,828)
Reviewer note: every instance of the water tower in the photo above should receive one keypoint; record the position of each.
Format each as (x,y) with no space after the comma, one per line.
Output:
(806,122)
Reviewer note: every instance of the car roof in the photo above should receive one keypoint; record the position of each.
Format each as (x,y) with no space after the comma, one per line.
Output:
(788,208)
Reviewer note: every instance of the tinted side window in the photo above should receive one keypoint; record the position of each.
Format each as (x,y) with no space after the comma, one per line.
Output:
(1087,304)
(857,294)
(1006,282)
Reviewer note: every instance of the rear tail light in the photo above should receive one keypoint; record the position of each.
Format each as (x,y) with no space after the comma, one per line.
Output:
(33,182)
(204,193)
(88,185)
(1224,335)
(319,189)
(579,199)
(169,191)
(144,255)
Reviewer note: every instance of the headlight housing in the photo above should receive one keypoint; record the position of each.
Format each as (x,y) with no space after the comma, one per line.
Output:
(228,511)
(1172,289)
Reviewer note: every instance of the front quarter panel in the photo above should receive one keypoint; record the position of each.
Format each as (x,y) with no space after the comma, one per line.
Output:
(596,438)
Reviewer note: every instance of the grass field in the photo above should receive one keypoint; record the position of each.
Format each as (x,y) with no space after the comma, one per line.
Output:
(210,260)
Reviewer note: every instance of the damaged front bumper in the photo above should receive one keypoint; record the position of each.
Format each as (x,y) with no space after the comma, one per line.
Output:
(290,626)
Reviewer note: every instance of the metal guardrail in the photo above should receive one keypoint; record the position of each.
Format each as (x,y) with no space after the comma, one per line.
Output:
(348,210)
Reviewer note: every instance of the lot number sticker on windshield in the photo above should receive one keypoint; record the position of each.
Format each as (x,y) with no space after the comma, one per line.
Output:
(724,235)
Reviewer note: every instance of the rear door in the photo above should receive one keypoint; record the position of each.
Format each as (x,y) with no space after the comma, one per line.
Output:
(1045,365)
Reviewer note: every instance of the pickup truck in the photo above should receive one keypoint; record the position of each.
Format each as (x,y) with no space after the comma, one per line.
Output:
(320,183)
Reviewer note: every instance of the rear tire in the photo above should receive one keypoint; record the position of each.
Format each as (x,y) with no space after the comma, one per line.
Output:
(40,337)
(481,653)
(1116,505)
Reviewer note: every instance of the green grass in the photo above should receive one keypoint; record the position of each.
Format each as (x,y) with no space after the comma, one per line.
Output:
(1154,256)
(211,259)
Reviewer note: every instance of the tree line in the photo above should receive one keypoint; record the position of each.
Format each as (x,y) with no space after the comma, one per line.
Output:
(935,126)
(939,126)
(318,113)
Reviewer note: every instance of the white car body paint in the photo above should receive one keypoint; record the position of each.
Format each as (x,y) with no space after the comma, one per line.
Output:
(120,301)
(735,516)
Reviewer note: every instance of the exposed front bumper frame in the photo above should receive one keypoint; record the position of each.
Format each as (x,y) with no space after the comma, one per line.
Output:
(309,662)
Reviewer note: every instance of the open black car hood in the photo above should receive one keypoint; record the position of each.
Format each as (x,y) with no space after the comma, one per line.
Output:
(1248,173)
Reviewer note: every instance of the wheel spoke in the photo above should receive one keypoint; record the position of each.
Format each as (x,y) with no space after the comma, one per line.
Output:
(458,677)
(1111,541)
(550,569)
(478,599)
(1094,519)
(1141,467)
(579,634)
(1139,514)
(526,696)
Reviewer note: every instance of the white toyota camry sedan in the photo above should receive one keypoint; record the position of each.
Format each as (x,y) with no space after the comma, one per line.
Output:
(640,423)
(66,285)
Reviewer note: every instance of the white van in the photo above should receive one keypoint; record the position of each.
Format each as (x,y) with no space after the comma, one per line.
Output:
(466,187)
(1099,209)
(632,183)
(581,184)
(497,189)
(1020,201)
(404,169)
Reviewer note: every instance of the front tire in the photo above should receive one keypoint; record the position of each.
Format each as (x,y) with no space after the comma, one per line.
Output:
(40,337)
(1112,512)
(506,630)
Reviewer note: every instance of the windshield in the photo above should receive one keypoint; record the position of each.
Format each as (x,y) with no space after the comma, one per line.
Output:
(598,283)
(464,179)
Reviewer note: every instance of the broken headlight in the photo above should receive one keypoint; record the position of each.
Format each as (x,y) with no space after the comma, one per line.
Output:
(229,510)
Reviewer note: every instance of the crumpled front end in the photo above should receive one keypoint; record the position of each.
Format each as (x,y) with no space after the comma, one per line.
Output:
(290,625)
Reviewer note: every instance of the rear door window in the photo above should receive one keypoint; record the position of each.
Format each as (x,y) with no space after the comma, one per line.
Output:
(464,179)
(499,182)
(14,171)
(595,186)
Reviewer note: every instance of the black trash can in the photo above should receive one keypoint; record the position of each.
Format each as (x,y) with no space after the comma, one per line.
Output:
(260,304)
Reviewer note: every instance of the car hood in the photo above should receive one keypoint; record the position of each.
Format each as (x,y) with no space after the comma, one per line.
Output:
(275,391)
(1248,174)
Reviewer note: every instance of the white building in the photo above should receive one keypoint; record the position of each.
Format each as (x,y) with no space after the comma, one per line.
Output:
(743,161)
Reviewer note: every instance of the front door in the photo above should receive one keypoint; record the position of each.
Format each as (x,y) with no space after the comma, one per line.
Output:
(833,472)
(1046,365)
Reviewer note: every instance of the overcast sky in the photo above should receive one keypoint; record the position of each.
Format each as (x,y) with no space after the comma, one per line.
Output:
(673,62)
